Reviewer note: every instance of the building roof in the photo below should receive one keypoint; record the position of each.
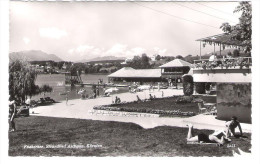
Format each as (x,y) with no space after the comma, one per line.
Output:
(176,63)
(128,72)
(225,39)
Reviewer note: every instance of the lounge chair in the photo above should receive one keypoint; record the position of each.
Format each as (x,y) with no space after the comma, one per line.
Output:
(202,109)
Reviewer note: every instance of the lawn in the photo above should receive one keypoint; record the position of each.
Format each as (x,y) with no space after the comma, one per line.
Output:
(117,139)
(165,104)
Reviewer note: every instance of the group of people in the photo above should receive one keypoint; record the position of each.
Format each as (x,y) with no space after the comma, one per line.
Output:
(117,100)
(219,136)
(14,111)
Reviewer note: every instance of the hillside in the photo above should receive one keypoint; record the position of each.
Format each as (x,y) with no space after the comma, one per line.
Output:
(34,55)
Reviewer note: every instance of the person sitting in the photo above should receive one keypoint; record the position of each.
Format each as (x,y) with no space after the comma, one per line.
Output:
(218,137)
(117,100)
(150,97)
(212,58)
(232,125)
(107,94)
(138,98)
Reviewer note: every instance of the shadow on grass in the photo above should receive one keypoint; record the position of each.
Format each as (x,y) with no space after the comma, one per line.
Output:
(112,138)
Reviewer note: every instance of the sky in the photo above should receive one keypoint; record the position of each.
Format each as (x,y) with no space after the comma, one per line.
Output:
(83,30)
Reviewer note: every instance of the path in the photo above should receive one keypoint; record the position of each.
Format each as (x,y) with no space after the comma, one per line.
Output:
(83,109)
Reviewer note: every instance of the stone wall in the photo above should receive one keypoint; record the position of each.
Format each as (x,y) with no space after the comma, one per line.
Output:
(234,99)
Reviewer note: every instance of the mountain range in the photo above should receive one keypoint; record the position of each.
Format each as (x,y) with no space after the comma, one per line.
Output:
(34,55)
(104,58)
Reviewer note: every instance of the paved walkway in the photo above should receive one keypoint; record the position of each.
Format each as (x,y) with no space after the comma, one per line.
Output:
(83,109)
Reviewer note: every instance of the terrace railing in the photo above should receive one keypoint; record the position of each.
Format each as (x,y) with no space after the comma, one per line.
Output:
(225,63)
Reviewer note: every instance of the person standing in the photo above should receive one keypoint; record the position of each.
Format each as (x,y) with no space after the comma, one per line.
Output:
(97,91)
(67,99)
(12,114)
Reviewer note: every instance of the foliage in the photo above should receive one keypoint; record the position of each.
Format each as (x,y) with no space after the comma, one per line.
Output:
(184,99)
(158,57)
(188,85)
(140,62)
(200,88)
(226,63)
(21,80)
(179,57)
(207,86)
(235,53)
(243,30)
(46,88)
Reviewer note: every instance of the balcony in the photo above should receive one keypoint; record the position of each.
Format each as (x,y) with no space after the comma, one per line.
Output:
(223,70)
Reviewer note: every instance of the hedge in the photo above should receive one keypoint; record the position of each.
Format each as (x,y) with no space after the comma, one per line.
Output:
(200,88)
(188,85)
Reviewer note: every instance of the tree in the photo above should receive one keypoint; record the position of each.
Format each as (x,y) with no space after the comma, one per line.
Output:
(188,85)
(158,57)
(21,80)
(140,62)
(243,30)
(200,88)
(189,58)
(145,61)
(236,53)
(179,57)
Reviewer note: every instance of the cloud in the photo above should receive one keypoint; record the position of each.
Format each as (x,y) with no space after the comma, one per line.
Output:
(159,51)
(84,48)
(119,50)
(52,32)
(135,51)
(116,49)
(26,40)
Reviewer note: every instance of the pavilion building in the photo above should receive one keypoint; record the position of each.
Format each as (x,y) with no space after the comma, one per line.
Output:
(129,75)
(174,70)
(233,81)
(169,72)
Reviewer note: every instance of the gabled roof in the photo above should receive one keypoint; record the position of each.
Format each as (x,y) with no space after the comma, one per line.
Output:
(176,63)
(128,72)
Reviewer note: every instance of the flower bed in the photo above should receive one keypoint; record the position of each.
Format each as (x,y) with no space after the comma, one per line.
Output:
(169,106)
(145,110)
(225,63)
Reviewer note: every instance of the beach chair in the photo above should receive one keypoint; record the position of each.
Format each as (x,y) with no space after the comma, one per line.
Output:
(202,109)
(213,111)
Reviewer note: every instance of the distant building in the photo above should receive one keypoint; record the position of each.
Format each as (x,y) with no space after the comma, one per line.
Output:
(169,72)
(128,74)
(175,69)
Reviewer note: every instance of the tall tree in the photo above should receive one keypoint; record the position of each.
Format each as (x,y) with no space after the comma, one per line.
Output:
(243,30)
(21,80)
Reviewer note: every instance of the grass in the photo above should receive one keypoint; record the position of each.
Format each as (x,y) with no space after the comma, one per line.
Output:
(117,139)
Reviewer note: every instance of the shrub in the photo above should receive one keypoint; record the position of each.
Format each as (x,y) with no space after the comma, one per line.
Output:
(184,99)
(187,85)
(207,86)
(200,88)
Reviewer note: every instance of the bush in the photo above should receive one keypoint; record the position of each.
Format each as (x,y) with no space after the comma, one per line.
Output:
(207,86)
(200,88)
(188,85)
(184,99)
